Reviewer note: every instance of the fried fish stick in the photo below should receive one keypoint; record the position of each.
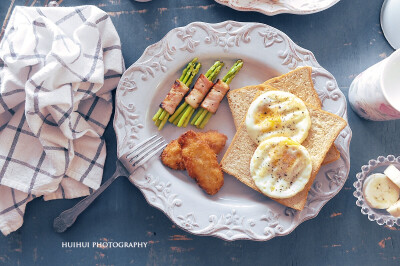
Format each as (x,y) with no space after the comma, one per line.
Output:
(201,162)
(172,154)
(215,140)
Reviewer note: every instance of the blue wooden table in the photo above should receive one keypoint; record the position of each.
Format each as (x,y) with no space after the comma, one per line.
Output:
(345,39)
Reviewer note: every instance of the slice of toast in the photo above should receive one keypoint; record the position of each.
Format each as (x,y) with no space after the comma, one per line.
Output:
(325,127)
(298,82)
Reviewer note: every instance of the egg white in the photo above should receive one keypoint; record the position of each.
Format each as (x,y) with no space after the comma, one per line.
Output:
(278,113)
(280,167)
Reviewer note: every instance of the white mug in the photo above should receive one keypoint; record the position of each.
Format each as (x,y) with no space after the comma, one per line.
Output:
(375,93)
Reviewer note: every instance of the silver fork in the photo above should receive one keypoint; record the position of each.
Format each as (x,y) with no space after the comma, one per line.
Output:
(127,164)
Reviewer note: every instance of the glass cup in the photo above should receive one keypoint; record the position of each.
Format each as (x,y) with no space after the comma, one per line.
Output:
(375,93)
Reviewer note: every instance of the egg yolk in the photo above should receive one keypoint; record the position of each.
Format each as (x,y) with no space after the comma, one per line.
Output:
(283,159)
(282,156)
(267,118)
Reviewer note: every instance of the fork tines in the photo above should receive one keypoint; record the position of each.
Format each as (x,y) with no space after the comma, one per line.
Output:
(145,150)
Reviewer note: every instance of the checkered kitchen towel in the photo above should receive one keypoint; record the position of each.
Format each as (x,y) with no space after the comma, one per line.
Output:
(57,69)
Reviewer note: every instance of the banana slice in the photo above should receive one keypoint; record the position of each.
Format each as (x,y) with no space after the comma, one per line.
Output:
(394,210)
(380,192)
(393,174)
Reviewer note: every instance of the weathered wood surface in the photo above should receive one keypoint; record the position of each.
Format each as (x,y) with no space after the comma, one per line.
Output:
(345,39)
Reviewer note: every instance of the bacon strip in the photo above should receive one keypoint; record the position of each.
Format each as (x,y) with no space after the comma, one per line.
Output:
(174,96)
(215,96)
(200,90)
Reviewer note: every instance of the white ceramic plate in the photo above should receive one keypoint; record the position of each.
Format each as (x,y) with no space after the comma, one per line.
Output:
(236,211)
(274,7)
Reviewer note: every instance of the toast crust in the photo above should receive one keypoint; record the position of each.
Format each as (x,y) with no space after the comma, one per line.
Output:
(298,82)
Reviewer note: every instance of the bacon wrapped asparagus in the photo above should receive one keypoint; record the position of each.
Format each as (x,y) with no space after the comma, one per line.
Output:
(211,103)
(176,94)
(204,83)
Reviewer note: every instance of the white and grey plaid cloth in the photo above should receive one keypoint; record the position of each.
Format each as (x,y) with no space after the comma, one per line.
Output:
(57,69)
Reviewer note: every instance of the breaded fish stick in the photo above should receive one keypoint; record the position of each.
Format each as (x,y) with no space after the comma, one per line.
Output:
(172,154)
(201,162)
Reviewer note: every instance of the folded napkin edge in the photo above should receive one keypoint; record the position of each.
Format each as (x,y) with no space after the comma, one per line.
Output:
(72,195)
(22,187)
(93,184)
(8,226)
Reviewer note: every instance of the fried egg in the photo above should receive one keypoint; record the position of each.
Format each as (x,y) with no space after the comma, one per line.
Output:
(275,114)
(280,167)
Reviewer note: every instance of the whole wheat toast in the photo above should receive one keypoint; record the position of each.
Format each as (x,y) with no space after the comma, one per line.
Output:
(298,82)
(325,127)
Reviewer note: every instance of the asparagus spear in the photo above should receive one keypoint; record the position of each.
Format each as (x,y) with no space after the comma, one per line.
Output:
(161,117)
(203,116)
(182,115)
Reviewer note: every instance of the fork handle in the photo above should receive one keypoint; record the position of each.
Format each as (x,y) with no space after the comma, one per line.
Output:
(67,218)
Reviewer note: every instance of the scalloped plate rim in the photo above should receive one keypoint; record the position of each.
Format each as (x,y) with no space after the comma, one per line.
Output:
(278,11)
